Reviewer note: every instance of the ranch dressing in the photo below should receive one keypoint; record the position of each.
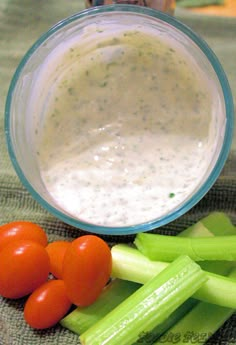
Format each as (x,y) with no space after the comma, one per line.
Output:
(128,131)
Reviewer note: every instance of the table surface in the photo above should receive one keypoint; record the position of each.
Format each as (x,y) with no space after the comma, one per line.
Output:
(21,23)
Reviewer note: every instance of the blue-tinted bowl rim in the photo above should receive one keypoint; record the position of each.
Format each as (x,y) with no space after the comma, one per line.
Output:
(147,226)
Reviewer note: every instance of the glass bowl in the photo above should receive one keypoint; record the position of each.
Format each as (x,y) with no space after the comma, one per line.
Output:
(150,151)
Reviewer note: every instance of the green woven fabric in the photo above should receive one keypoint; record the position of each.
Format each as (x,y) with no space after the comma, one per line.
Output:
(21,23)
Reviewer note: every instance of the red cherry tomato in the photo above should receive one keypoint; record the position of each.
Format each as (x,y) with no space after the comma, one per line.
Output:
(86,269)
(22,230)
(56,251)
(24,265)
(47,305)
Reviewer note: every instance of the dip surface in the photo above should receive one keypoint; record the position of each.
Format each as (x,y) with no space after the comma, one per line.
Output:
(128,130)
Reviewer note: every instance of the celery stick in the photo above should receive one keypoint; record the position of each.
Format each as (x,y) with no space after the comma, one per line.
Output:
(219,267)
(196,230)
(197,326)
(80,319)
(219,224)
(216,223)
(168,248)
(207,227)
(130,264)
(218,290)
(178,314)
(150,305)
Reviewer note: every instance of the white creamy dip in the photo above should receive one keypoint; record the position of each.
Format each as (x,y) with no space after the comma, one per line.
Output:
(128,130)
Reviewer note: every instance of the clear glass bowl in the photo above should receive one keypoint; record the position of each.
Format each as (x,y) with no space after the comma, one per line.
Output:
(24,111)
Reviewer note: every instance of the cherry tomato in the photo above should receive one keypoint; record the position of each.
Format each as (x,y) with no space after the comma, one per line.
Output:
(47,305)
(22,230)
(86,269)
(56,251)
(24,265)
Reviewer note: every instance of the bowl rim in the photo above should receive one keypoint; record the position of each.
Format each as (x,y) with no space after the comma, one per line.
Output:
(228,134)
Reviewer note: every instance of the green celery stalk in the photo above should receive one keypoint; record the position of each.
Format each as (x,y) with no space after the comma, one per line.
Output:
(168,248)
(80,319)
(219,267)
(150,305)
(215,224)
(199,324)
(207,227)
(173,318)
(219,224)
(196,230)
(130,264)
